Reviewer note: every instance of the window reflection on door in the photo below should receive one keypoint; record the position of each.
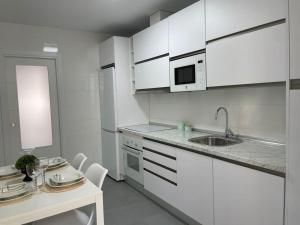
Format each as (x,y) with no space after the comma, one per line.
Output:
(34,106)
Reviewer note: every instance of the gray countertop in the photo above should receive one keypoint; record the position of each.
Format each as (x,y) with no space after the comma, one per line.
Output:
(266,157)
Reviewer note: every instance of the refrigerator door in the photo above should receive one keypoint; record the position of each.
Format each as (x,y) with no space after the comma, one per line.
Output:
(110,153)
(108,107)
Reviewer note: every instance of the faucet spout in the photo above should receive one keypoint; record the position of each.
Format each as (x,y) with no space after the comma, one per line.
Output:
(228,132)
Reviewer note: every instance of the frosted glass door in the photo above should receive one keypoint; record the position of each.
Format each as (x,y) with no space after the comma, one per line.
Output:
(30,108)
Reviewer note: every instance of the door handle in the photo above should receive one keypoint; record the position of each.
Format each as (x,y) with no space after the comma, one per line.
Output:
(13,125)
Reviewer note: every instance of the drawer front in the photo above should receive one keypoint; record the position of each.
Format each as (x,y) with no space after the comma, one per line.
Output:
(162,172)
(161,188)
(162,160)
(155,147)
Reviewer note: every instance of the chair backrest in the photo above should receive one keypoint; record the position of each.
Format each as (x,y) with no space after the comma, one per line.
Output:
(79,161)
(96,174)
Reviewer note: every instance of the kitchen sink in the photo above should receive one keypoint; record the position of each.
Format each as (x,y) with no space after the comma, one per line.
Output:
(215,140)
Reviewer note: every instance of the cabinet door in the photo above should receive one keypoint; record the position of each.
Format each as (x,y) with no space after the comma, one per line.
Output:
(245,196)
(151,42)
(195,186)
(294,39)
(187,30)
(255,57)
(293,167)
(160,187)
(152,74)
(107,52)
(231,16)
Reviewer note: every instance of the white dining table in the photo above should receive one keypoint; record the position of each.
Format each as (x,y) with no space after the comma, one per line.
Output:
(45,204)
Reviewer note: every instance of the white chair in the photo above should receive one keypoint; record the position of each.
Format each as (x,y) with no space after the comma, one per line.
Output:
(79,161)
(96,174)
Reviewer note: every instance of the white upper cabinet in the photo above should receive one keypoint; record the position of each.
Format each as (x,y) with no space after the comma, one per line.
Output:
(294,39)
(260,56)
(187,30)
(151,42)
(245,196)
(231,16)
(195,186)
(107,52)
(152,74)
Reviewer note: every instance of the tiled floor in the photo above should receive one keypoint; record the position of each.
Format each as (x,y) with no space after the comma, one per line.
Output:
(124,205)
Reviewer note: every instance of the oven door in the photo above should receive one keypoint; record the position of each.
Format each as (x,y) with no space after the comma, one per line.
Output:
(188,74)
(133,160)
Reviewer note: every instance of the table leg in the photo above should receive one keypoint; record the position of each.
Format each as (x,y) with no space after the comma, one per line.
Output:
(99,209)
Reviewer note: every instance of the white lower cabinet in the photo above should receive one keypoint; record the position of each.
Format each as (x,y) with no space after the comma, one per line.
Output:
(245,196)
(195,186)
(161,188)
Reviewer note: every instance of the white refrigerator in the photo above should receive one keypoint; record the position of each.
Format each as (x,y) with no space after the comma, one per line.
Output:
(110,136)
(119,107)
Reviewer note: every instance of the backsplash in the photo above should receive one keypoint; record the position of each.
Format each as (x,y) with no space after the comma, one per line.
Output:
(256,111)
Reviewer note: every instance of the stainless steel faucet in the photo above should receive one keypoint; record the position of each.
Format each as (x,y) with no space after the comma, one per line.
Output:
(228,132)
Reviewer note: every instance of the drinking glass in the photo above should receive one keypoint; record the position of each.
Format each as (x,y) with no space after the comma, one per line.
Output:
(34,170)
(44,164)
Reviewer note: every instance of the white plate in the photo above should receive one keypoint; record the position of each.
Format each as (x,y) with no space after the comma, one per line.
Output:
(53,162)
(14,191)
(8,171)
(64,179)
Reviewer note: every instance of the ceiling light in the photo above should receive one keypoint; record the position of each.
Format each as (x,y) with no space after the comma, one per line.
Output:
(50,48)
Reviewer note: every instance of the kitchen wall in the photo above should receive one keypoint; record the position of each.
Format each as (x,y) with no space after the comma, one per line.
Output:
(257,111)
(78,86)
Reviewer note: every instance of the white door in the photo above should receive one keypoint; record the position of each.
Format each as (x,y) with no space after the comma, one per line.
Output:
(195,186)
(110,153)
(293,176)
(151,42)
(231,16)
(244,196)
(29,107)
(294,19)
(108,112)
(187,30)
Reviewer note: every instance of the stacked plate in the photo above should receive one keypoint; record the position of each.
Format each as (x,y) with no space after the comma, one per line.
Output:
(56,162)
(14,191)
(8,171)
(65,179)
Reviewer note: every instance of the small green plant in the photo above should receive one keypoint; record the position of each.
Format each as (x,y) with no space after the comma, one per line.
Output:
(25,160)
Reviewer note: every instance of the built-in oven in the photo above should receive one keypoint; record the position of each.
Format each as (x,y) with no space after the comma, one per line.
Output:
(133,159)
(188,73)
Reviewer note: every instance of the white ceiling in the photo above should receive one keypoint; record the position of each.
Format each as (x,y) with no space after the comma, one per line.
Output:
(118,17)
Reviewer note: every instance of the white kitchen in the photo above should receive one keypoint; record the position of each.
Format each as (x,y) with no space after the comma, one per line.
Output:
(149,112)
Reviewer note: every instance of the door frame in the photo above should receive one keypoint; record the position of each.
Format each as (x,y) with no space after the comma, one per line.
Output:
(35,55)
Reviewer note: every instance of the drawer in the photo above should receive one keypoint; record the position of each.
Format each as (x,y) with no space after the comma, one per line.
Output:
(160,171)
(160,159)
(161,188)
(155,147)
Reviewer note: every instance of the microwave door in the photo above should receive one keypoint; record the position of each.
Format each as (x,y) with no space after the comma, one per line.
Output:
(185,75)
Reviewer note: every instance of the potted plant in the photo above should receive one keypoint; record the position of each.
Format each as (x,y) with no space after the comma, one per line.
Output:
(21,165)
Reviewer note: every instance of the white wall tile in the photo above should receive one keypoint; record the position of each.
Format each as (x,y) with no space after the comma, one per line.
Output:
(257,111)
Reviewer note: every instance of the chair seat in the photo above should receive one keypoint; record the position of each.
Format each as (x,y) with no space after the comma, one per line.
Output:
(74,217)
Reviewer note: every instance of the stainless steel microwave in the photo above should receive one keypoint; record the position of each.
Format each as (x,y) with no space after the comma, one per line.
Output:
(188,74)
